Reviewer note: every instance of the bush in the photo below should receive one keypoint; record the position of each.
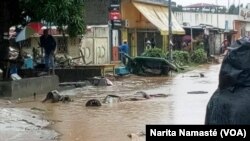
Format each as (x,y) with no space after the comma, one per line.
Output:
(154,52)
(199,46)
(181,57)
(199,56)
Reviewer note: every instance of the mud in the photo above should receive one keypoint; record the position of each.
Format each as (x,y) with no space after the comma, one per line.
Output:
(23,124)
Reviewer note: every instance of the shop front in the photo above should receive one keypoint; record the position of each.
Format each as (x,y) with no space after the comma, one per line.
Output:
(147,22)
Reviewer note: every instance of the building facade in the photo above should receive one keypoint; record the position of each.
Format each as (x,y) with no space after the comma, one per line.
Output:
(136,21)
(147,21)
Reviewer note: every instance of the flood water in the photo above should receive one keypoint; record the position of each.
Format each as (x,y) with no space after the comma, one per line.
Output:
(113,122)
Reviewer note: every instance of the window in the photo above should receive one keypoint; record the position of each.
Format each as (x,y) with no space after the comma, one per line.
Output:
(62,44)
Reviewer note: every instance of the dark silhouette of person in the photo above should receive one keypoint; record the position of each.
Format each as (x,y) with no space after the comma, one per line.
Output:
(48,43)
(152,43)
(206,44)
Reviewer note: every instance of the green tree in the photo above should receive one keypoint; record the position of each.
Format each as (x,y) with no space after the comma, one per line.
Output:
(223,10)
(233,9)
(178,8)
(62,13)
(68,13)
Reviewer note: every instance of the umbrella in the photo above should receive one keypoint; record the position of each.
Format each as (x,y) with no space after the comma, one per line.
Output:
(37,26)
(29,30)
(25,33)
(186,38)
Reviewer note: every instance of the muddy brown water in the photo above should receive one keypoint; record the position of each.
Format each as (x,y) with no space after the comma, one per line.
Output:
(113,122)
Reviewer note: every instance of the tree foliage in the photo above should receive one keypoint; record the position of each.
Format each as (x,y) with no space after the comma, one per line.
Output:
(178,8)
(62,13)
(154,52)
(233,9)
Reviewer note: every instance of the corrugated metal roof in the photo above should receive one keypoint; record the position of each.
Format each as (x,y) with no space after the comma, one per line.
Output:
(202,5)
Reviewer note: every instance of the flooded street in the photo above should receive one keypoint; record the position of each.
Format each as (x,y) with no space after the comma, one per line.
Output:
(22,124)
(113,122)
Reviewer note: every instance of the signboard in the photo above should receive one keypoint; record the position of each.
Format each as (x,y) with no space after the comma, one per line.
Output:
(114,5)
(116,24)
(114,15)
(244,14)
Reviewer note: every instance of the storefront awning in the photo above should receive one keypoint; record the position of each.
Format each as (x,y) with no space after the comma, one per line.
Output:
(158,16)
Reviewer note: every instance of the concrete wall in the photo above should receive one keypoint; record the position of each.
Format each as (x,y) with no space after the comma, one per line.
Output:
(73,45)
(96,45)
(74,75)
(28,86)
(243,28)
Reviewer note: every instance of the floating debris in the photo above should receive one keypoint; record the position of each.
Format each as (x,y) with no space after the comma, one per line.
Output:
(197,92)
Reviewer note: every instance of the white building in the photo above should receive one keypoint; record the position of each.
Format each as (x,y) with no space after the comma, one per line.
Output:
(223,21)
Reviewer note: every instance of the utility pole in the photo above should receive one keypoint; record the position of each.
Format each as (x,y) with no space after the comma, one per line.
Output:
(217,11)
(170,30)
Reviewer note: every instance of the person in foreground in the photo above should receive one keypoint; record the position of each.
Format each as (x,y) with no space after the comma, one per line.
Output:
(230,103)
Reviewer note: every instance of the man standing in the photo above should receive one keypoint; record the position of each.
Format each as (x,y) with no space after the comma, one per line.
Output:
(148,45)
(225,45)
(124,50)
(206,45)
(48,43)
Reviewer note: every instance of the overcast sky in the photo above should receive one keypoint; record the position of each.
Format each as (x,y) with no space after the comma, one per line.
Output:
(220,2)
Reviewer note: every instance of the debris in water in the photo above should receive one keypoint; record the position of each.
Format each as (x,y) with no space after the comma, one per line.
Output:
(202,75)
(37,109)
(135,136)
(93,103)
(197,92)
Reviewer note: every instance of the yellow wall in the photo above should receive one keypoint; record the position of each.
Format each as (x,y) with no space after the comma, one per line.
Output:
(135,21)
(165,43)
(124,34)
(133,41)
(134,17)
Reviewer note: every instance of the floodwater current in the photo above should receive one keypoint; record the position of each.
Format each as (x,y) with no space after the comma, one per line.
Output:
(186,104)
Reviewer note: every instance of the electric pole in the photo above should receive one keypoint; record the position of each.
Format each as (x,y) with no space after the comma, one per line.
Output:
(170,30)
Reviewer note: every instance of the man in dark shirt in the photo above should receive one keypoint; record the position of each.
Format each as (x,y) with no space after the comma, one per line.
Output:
(48,43)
